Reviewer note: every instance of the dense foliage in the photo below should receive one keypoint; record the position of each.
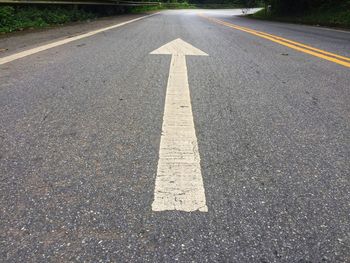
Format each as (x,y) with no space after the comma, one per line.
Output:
(314,12)
(233,3)
(284,6)
(304,6)
(19,17)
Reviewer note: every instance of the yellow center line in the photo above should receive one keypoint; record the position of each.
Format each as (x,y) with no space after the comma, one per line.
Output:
(289,43)
(285,40)
(306,46)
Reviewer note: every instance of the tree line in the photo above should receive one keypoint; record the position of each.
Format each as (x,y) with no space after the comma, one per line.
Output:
(303,6)
(283,6)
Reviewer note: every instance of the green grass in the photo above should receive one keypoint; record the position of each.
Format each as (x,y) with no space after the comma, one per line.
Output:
(177,5)
(20,17)
(332,17)
(143,9)
(163,6)
(219,6)
(13,18)
(185,5)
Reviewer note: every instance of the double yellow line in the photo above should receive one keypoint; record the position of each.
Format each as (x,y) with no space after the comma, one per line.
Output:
(341,60)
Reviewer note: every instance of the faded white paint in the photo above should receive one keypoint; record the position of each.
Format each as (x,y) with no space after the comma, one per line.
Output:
(179,183)
(64,41)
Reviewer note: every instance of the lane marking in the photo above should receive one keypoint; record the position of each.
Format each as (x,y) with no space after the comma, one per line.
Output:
(179,182)
(328,29)
(341,60)
(305,46)
(65,41)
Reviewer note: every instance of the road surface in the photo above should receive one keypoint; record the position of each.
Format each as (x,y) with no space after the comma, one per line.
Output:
(229,143)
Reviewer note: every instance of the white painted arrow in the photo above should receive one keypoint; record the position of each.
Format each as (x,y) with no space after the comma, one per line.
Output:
(179,183)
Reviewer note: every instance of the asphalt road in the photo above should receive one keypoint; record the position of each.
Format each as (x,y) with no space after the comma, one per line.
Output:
(80,133)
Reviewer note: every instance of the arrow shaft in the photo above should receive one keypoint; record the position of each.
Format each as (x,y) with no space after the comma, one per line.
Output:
(179,183)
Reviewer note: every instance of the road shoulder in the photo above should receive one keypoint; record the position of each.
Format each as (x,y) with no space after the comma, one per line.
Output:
(19,41)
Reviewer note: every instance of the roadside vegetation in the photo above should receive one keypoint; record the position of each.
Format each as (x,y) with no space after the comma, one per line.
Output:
(205,4)
(162,6)
(185,5)
(20,17)
(333,13)
(317,12)
(14,18)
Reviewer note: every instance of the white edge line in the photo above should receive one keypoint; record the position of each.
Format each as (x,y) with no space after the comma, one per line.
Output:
(32,51)
(331,29)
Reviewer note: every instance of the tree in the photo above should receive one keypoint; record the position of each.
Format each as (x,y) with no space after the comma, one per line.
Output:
(302,6)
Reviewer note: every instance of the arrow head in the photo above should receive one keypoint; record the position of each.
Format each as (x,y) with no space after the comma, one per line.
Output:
(178,47)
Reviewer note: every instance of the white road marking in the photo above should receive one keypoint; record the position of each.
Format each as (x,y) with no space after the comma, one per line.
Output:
(179,183)
(65,41)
